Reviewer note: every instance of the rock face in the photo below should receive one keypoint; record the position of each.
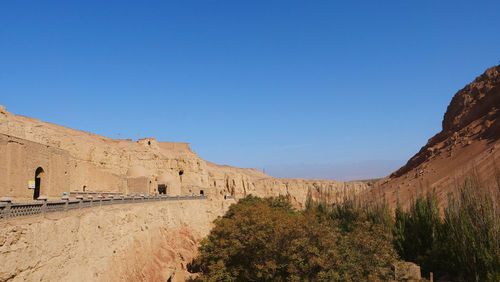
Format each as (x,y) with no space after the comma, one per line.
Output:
(131,242)
(467,143)
(73,160)
(406,271)
(472,115)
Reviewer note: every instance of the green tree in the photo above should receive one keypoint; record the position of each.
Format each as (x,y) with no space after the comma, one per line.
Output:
(268,240)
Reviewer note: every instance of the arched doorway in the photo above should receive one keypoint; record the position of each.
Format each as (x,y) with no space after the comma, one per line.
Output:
(38,182)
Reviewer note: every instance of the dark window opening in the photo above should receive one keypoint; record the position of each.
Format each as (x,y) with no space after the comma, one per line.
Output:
(162,189)
(202,192)
(149,142)
(84,187)
(181,172)
(38,182)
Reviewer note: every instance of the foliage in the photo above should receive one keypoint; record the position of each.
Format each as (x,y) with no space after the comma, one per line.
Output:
(464,244)
(416,232)
(471,232)
(266,239)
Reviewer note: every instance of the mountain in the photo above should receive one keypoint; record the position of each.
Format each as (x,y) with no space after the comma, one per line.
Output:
(468,145)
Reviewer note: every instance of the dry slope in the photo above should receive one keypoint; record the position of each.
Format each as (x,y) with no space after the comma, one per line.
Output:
(469,141)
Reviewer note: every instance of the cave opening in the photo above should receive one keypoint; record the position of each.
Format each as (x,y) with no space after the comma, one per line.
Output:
(162,189)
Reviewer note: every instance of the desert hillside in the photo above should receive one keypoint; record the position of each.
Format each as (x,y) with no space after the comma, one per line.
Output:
(467,144)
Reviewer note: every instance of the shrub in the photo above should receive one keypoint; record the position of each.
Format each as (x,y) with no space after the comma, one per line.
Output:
(471,231)
(416,232)
(465,244)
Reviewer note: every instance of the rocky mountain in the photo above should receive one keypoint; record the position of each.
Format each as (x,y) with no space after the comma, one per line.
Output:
(467,144)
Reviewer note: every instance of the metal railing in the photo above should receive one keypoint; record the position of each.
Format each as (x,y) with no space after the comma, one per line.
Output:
(9,209)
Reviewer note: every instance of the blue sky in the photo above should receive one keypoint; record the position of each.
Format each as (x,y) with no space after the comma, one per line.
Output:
(318,85)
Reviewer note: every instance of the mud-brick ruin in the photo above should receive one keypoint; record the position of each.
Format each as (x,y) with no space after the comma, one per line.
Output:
(38,158)
(54,170)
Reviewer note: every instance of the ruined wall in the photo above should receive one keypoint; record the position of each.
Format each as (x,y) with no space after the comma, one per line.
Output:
(85,174)
(19,160)
(140,185)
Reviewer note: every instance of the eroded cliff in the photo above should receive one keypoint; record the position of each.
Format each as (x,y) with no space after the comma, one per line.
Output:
(89,162)
(131,242)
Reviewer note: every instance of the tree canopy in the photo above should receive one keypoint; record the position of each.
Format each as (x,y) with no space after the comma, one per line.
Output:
(266,239)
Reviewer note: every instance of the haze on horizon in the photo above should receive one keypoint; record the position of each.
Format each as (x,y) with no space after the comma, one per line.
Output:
(338,90)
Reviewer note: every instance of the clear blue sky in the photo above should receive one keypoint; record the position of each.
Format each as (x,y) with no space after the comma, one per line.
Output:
(264,84)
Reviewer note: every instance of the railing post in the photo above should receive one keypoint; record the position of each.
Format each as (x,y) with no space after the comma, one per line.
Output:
(8,204)
(100,200)
(44,203)
(111,197)
(80,201)
(66,204)
(91,200)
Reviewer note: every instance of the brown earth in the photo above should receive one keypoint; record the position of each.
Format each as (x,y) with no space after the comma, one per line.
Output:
(468,145)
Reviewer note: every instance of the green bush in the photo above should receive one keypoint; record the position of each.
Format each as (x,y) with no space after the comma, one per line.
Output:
(464,244)
(267,240)
(416,232)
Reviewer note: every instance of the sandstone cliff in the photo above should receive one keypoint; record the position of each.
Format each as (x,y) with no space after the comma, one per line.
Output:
(85,161)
